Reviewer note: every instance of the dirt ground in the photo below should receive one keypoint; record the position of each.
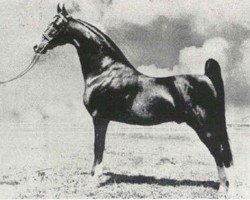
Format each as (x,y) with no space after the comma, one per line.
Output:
(165,161)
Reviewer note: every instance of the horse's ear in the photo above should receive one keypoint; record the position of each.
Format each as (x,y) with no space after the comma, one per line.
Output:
(64,11)
(58,8)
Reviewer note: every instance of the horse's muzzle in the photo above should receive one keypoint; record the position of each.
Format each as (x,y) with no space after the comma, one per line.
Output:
(39,49)
(35,48)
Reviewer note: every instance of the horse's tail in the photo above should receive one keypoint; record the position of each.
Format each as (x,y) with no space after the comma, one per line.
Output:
(213,71)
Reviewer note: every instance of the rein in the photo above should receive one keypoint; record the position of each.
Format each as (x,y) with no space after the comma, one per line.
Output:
(37,55)
(26,70)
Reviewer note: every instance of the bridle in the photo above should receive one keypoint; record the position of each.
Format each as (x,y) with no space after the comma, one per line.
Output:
(56,30)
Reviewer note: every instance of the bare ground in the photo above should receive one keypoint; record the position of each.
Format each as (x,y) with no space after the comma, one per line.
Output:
(44,161)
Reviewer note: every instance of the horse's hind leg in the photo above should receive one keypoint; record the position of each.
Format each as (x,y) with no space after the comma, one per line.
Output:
(220,149)
(210,135)
(218,126)
(100,127)
(213,144)
(227,158)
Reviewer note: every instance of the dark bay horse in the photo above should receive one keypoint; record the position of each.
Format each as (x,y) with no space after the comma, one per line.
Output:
(116,91)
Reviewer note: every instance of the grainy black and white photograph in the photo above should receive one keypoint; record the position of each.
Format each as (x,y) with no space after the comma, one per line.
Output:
(124,99)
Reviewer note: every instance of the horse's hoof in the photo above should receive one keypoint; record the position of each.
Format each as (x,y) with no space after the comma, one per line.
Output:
(222,190)
(93,182)
(97,170)
(231,192)
(227,192)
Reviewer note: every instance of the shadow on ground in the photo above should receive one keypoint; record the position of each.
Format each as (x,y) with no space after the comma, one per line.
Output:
(9,183)
(141,179)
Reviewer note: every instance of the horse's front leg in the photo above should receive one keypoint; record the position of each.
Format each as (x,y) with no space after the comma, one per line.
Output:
(100,127)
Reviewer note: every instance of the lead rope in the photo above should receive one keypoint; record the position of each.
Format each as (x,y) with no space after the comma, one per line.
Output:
(26,70)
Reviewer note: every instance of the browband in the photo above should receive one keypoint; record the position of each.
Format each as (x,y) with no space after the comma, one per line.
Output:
(63,17)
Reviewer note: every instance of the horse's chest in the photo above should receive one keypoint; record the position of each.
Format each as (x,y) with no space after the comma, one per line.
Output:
(110,94)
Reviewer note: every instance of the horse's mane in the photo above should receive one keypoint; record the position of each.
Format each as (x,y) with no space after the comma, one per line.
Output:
(104,39)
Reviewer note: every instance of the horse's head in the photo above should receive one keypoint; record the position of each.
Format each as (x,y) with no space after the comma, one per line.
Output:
(55,34)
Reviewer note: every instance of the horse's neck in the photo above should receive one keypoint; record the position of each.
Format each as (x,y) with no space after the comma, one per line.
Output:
(94,54)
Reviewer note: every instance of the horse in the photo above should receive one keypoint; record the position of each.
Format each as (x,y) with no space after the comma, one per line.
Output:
(116,91)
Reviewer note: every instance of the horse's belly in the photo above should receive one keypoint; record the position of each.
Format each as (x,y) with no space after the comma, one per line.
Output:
(146,108)
(152,110)
(138,119)
(140,113)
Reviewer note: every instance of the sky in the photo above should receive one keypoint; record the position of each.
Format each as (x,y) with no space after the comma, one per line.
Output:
(159,37)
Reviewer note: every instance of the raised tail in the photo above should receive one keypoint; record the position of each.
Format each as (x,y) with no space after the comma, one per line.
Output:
(213,71)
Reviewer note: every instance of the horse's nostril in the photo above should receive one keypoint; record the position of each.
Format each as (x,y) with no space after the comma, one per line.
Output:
(35,47)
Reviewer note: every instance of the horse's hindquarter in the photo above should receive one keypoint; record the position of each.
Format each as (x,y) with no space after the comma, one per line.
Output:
(173,96)
(197,94)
